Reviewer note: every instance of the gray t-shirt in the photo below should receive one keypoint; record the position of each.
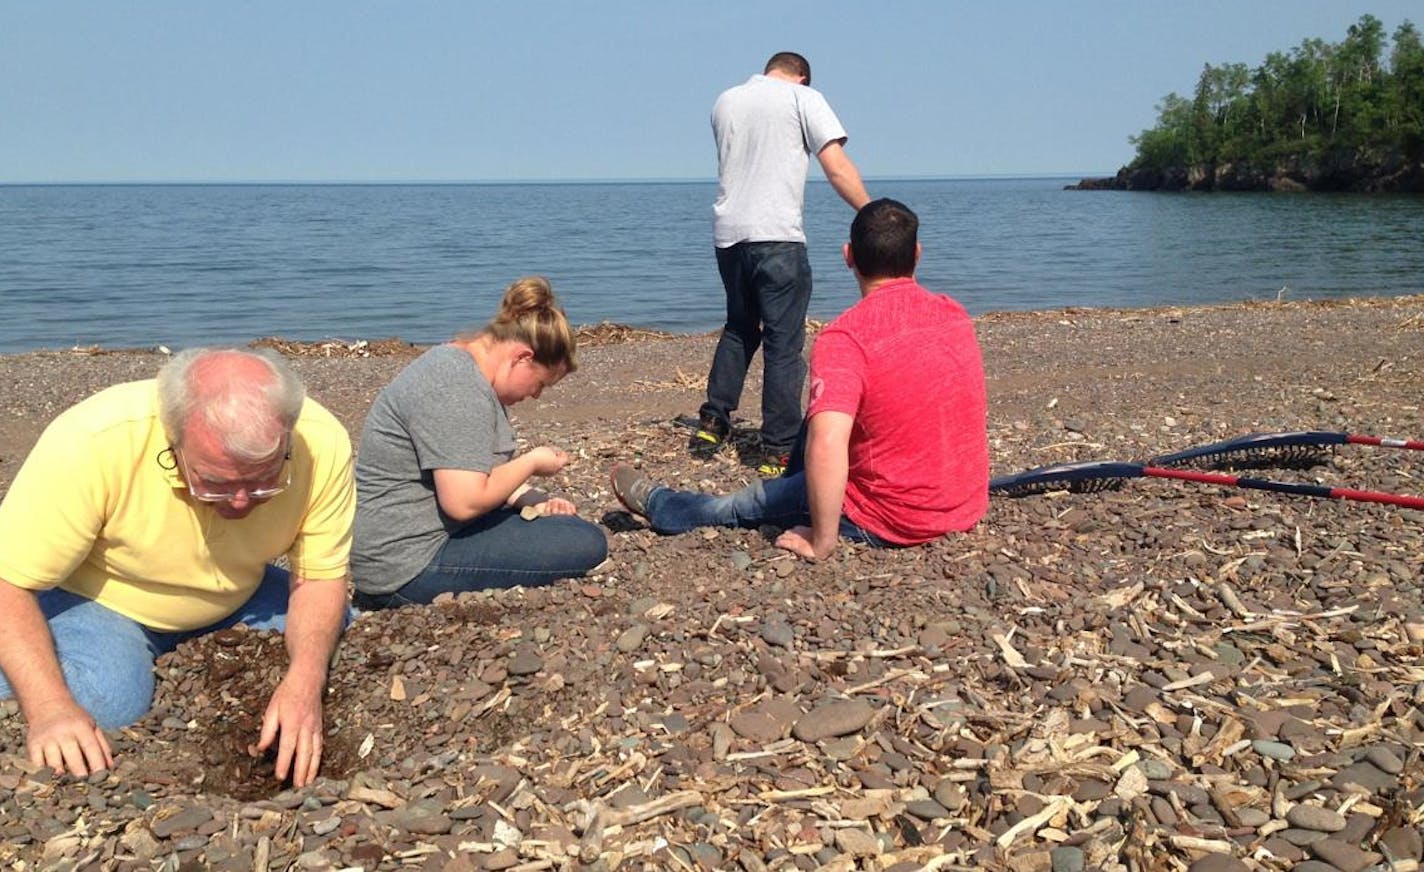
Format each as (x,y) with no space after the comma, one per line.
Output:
(439,413)
(766,129)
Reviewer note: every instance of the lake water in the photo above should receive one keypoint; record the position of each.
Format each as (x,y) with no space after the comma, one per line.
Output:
(178,265)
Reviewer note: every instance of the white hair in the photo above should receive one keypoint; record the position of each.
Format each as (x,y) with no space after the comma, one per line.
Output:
(250,416)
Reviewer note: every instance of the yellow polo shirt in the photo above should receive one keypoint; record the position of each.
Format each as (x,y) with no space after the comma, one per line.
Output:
(99,509)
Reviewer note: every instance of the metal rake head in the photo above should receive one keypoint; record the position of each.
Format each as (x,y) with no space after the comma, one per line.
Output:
(1081,478)
(1253,457)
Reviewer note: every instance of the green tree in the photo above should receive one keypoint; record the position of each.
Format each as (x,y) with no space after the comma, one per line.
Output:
(1404,103)
(1221,112)
(1274,104)
(1166,143)
(1355,74)
(1310,84)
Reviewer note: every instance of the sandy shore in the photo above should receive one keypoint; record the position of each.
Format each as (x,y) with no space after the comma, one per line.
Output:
(1140,678)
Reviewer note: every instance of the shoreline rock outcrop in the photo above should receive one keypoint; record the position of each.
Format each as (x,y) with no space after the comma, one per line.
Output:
(1344,170)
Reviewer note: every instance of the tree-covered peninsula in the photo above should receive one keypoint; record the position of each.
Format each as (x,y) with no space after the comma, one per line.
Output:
(1344,116)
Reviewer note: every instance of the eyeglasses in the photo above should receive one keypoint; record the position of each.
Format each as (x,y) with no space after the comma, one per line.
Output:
(205,495)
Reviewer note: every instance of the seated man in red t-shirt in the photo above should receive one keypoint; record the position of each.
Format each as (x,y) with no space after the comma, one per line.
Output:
(895,442)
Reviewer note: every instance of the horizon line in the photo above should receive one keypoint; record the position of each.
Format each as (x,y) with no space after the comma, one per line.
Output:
(613,180)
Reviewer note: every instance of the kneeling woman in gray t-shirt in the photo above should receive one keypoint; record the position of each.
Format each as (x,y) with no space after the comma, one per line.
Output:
(439,485)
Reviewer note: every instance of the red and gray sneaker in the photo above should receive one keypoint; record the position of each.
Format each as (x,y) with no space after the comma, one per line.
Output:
(632,489)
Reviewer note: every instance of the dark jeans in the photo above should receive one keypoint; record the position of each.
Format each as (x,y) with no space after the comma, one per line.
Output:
(768,287)
(500,550)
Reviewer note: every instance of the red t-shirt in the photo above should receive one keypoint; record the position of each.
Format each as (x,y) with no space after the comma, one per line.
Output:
(906,365)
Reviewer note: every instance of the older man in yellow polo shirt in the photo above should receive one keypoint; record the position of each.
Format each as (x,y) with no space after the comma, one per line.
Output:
(148,514)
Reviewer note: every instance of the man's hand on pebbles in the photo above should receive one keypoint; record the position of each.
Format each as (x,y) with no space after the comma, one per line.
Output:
(294,715)
(64,737)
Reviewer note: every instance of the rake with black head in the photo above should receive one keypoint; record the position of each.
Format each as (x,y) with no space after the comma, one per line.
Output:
(1298,449)
(1093,476)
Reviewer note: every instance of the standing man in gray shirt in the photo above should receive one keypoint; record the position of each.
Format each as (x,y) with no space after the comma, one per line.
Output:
(766,129)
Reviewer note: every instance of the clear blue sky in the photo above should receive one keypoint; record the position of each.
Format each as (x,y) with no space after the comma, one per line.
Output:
(189,90)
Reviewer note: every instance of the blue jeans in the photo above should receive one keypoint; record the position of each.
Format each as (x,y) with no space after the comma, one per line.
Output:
(501,550)
(107,659)
(768,287)
(780,502)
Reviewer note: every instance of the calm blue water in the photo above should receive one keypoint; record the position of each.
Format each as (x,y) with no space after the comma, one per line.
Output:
(137,266)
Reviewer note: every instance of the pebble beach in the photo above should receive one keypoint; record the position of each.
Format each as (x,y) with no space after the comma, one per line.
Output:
(1166,675)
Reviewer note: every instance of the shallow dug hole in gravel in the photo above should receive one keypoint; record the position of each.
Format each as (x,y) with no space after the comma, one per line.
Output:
(1165,676)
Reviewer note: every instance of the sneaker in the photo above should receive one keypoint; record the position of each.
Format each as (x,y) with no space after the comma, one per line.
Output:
(772,464)
(711,434)
(632,489)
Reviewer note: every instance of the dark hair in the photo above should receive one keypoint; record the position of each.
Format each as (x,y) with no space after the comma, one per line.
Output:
(883,238)
(530,314)
(790,62)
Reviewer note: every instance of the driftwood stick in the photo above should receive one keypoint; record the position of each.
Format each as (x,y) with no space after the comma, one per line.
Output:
(591,845)
(635,814)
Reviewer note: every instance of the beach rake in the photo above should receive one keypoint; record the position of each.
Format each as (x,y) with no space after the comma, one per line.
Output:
(1094,476)
(1299,449)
